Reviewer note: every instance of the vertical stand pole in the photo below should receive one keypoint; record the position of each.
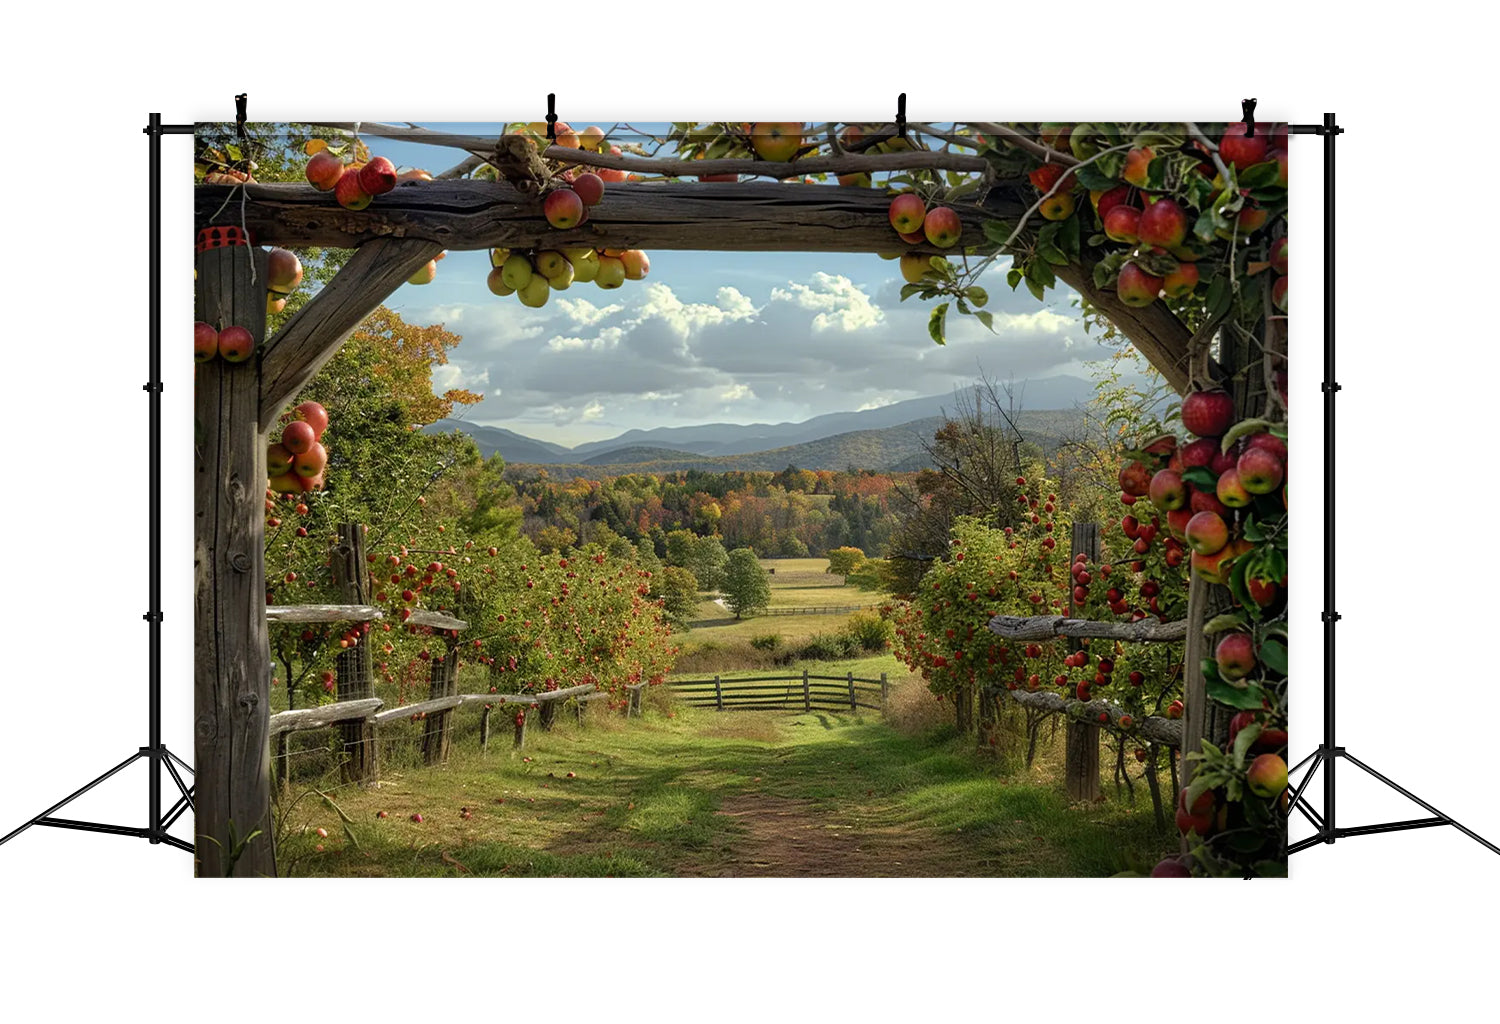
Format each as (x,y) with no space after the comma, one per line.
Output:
(1330,388)
(153,615)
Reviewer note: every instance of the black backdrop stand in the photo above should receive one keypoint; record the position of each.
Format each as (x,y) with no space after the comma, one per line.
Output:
(155,752)
(1329,752)
(1326,756)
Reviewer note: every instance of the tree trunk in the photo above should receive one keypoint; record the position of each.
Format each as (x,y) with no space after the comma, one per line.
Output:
(232,653)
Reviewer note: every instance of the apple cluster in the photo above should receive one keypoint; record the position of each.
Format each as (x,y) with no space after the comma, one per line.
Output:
(235,344)
(915,223)
(532,275)
(354,185)
(295,463)
(1202,485)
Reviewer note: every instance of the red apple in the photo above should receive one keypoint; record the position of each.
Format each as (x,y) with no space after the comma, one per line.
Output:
(1200,452)
(1267,776)
(1047,175)
(1262,592)
(1206,501)
(1239,150)
(637,264)
(315,415)
(1107,201)
(1260,471)
(777,141)
(1122,223)
(1199,817)
(298,437)
(907,213)
(1181,281)
(1163,223)
(1172,867)
(1278,256)
(324,171)
(1136,287)
(309,464)
(1208,413)
(590,188)
(1235,656)
(1167,491)
(1135,478)
(942,227)
(1058,206)
(1137,166)
(278,461)
(236,344)
(563,208)
(425,274)
(205,342)
(378,176)
(351,195)
(1278,293)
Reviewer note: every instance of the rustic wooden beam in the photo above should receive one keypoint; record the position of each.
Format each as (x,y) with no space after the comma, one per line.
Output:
(231,645)
(498,699)
(1165,731)
(437,620)
(314,334)
(325,715)
(556,695)
(467,215)
(1154,329)
(323,613)
(426,707)
(1051,627)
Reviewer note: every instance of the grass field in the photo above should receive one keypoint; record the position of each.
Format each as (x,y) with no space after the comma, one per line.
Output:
(700,793)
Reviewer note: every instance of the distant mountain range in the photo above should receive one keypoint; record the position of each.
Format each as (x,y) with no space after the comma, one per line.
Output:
(887,438)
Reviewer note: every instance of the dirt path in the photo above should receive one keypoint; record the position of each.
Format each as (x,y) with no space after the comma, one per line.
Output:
(790,838)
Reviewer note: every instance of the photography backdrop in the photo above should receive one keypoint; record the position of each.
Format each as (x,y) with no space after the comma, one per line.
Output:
(1172,235)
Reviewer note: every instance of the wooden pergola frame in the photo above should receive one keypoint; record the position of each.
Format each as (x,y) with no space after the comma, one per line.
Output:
(237,404)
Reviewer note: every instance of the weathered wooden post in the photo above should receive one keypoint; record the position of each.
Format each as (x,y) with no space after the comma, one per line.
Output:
(521,717)
(231,645)
(484,728)
(853,704)
(437,731)
(545,713)
(884,692)
(806,692)
(354,665)
(718,694)
(1081,743)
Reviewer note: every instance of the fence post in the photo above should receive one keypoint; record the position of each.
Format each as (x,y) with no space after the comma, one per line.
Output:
(438,731)
(484,729)
(806,693)
(1081,763)
(853,704)
(718,694)
(520,728)
(884,690)
(354,666)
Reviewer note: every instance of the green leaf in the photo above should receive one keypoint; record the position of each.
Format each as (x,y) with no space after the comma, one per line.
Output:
(1013,277)
(1041,273)
(997,231)
(1253,533)
(1247,697)
(1260,175)
(1243,739)
(1243,428)
(1052,254)
(1223,623)
(1273,655)
(1068,237)
(977,295)
(1202,478)
(936,323)
(1217,300)
(908,290)
(988,319)
(1037,290)
(1092,177)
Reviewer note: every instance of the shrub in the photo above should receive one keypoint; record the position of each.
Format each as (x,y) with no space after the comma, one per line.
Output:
(766,642)
(829,647)
(869,631)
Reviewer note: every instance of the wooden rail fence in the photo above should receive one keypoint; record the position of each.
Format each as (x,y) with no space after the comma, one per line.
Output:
(771,693)
(809,610)
(368,717)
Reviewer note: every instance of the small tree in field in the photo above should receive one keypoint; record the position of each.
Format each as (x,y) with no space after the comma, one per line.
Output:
(746,585)
(677,589)
(843,561)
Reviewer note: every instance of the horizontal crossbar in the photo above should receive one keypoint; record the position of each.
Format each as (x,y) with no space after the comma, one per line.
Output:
(93,826)
(1391,826)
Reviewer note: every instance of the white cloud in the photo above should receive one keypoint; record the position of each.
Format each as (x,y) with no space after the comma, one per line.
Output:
(584,312)
(837,301)
(592,411)
(735,393)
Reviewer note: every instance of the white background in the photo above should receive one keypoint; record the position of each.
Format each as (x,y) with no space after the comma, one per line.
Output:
(1393,925)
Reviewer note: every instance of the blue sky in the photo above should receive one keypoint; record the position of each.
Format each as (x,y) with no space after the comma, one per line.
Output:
(721,337)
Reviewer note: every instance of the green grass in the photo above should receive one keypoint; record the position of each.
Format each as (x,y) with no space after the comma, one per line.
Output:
(803,794)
